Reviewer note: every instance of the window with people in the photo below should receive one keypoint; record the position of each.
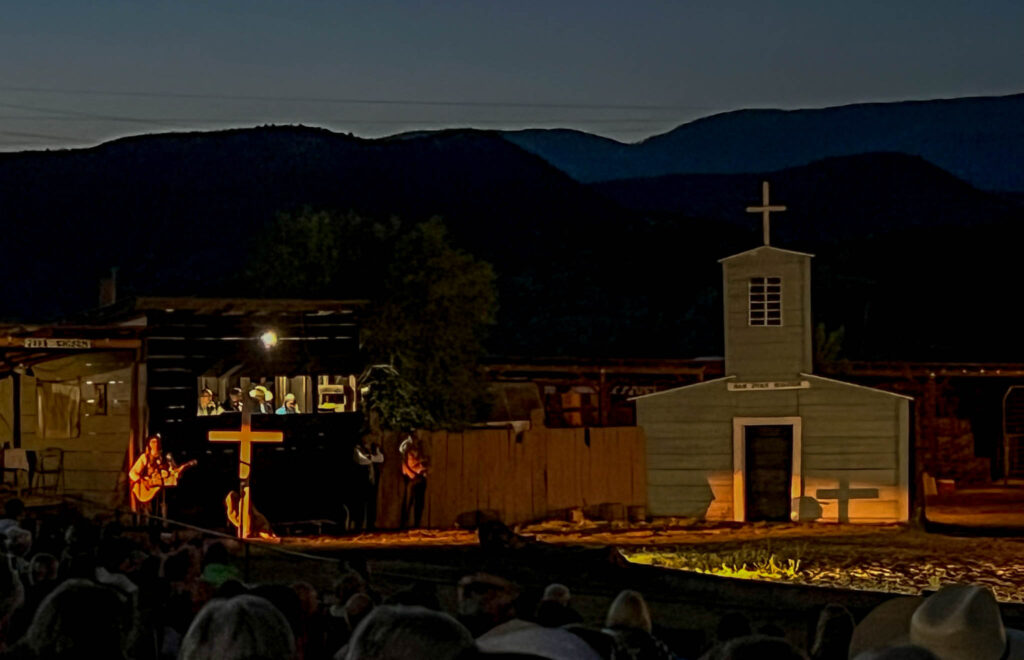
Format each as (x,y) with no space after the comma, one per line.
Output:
(279,395)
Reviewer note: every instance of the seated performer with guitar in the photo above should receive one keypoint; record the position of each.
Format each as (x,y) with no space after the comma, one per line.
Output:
(152,472)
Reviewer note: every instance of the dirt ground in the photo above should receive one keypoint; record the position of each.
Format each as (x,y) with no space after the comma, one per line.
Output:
(974,535)
(898,559)
(981,541)
(995,507)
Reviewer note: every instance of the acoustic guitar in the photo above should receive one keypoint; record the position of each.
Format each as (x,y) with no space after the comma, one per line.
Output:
(146,489)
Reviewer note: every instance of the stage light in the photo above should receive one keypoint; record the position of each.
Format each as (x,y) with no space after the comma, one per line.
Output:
(269,339)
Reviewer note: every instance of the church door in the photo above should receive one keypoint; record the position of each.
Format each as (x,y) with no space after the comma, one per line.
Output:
(769,471)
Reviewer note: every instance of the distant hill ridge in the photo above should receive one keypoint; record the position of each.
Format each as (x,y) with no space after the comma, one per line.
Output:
(978,139)
(909,257)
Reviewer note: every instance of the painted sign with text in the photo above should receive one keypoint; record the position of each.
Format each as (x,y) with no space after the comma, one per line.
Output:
(32,342)
(769,385)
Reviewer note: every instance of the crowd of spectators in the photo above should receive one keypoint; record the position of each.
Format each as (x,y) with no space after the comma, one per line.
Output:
(77,588)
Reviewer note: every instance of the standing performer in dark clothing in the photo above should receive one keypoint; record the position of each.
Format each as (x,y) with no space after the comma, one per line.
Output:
(414,473)
(369,459)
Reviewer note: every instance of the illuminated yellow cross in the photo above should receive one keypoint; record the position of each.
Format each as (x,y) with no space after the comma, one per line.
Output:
(765,209)
(245,438)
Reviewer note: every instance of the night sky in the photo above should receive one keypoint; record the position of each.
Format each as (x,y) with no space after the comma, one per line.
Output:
(74,73)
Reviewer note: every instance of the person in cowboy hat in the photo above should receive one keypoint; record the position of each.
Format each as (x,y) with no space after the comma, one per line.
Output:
(262,397)
(288,407)
(957,622)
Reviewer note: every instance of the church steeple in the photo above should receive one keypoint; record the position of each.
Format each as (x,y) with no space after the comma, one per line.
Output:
(767,307)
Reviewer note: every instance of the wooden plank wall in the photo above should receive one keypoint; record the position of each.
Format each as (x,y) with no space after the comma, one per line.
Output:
(852,435)
(94,461)
(181,346)
(754,352)
(538,474)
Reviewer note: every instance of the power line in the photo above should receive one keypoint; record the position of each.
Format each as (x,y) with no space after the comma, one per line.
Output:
(354,100)
(44,136)
(79,114)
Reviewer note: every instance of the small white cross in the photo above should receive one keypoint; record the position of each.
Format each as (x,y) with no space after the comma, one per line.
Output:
(765,210)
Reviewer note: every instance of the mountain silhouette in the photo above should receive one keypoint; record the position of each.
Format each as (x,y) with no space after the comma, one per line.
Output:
(980,140)
(913,261)
(178,214)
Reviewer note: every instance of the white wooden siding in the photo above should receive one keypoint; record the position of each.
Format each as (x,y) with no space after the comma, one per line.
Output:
(754,352)
(94,461)
(849,433)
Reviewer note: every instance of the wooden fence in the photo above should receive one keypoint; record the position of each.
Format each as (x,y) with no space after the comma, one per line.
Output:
(522,477)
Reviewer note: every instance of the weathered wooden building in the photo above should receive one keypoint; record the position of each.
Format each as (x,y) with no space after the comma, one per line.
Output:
(94,388)
(90,389)
(72,393)
(771,440)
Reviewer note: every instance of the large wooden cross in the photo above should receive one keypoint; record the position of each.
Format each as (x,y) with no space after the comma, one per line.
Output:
(844,494)
(765,210)
(245,438)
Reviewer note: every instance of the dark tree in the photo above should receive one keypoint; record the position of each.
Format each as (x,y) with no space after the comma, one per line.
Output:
(322,254)
(431,307)
(431,321)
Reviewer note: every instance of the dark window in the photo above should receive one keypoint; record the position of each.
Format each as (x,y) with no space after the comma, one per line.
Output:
(765,304)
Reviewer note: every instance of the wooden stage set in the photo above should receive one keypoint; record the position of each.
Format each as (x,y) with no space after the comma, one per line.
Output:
(496,473)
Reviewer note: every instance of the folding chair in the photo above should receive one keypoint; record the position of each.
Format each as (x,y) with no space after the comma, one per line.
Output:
(50,462)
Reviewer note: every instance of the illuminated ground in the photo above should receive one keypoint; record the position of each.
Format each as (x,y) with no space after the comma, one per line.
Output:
(890,558)
(883,558)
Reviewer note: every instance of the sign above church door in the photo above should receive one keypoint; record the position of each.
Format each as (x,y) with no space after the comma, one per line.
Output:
(761,386)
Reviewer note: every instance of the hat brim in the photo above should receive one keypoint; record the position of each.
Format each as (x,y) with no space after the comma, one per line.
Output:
(268,396)
(1015,640)
(886,625)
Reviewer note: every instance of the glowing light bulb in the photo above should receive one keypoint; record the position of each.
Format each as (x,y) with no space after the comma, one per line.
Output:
(269,339)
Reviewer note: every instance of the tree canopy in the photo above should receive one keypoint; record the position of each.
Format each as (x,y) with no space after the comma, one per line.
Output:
(323,254)
(431,322)
(431,306)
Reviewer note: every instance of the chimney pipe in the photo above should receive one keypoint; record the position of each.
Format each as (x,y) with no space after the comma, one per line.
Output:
(108,288)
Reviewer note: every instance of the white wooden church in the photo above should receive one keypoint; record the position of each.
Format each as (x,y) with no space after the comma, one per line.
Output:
(772,441)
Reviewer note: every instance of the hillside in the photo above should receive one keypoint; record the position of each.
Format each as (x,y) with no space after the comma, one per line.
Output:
(980,140)
(178,213)
(829,201)
(910,259)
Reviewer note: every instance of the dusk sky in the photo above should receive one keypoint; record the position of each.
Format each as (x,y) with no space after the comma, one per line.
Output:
(76,73)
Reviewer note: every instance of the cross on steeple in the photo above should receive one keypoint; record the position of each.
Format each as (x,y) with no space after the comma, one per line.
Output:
(765,210)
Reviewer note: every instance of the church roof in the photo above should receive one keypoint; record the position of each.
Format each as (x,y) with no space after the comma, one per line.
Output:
(862,387)
(833,381)
(682,387)
(764,247)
